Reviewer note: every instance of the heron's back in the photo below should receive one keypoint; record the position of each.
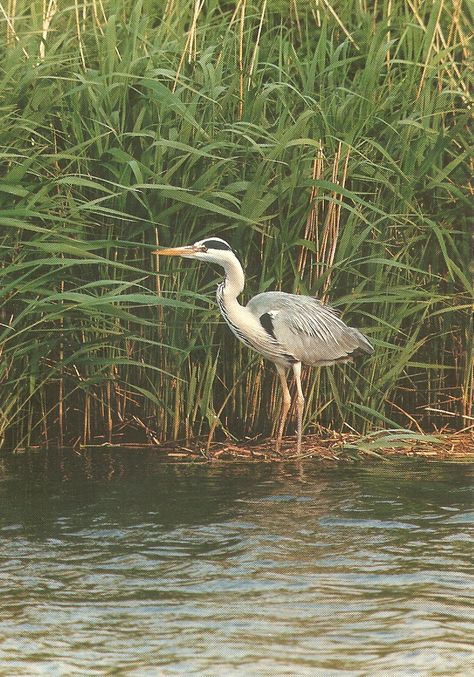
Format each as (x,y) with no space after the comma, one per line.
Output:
(307,329)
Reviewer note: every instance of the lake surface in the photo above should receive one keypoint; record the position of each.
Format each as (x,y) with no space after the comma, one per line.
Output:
(117,563)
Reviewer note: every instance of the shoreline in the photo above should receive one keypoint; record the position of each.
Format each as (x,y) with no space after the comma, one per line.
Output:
(337,448)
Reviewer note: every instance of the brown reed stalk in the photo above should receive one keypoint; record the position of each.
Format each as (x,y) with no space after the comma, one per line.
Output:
(11,11)
(322,254)
(190,46)
(241,58)
(95,13)
(327,250)
(316,14)
(49,10)
(177,412)
(79,34)
(294,10)
(257,42)
(389,32)
(311,232)
(9,15)
(430,49)
(344,29)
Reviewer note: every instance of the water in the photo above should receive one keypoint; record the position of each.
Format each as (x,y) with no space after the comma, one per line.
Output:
(115,563)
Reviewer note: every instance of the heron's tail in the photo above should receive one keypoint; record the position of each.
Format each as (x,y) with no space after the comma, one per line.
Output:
(363,343)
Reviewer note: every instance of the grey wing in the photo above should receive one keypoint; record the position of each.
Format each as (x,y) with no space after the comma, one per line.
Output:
(307,329)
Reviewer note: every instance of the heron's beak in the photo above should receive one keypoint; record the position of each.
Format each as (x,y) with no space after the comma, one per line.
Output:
(188,251)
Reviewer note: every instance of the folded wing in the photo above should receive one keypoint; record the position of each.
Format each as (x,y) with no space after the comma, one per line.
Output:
(307,329)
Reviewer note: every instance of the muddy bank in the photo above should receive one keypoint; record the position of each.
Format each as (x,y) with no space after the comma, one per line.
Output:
(336,448)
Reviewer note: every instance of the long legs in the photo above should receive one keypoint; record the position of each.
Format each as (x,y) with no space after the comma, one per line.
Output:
(299,405)
(287,403)
(285,407)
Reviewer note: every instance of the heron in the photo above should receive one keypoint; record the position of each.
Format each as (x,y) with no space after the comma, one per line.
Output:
(288,329)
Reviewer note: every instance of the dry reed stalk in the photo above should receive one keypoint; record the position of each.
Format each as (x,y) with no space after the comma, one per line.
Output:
(405,413)
(192,41)
(78,31)
(430,49)
(157,276)
(452,63)
(323,255)
(49,10)
(252,390)
(467,394)
(122,395)
(445,43)
(61,378)
(389,33)
(169,9)
(100,409)
(330,238)
(96,16)
(180,67)
(231,22)
(344,29)
(274,402)
(104,16)
(338,210)
(312,222)
(294,8)
(259,32)
(87,420)
(196,402)
(217,416)
(44,419)
(438,33)
(465,42)
(236,12)
(176,415)
(257,394)
(118,394)
(11,10)
(190,47)
(10,19)
(317,17)
(99,25)
(168,12)
(241,59)
(108,390)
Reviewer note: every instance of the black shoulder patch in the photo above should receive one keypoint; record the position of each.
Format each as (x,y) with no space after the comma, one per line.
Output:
(217,244)
(267,323)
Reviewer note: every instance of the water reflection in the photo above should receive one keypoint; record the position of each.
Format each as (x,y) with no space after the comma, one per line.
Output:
(115,562)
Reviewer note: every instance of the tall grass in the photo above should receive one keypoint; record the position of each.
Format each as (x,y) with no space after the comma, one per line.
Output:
(328,141)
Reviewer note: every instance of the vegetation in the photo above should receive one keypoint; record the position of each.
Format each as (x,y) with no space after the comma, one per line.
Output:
(326,140)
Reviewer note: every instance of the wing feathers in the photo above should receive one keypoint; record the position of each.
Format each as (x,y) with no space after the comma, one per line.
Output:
(306,328)
(267,323)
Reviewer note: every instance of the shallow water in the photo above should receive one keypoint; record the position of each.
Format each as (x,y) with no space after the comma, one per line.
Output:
(115,563)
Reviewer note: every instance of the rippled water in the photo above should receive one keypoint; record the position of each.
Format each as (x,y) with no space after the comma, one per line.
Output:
(120,564)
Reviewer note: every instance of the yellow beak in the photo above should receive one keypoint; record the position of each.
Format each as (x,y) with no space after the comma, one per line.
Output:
(189,250)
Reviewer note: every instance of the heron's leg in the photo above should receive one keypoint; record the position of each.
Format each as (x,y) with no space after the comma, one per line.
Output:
(299,405)
(285,407)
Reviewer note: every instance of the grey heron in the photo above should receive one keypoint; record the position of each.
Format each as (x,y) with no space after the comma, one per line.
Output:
(287,329)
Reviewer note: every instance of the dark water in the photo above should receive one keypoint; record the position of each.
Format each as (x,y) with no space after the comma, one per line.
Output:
(119,564)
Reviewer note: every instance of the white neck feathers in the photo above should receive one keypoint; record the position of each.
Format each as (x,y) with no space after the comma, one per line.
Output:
(234,278)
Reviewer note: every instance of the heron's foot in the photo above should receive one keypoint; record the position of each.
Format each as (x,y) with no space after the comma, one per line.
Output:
(277,448)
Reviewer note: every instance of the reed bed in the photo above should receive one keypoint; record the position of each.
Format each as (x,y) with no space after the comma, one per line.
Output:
(327,141)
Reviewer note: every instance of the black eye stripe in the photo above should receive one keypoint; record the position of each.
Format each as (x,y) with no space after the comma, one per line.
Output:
(216,244)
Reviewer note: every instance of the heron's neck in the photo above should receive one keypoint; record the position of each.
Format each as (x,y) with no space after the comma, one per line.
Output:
(233,285)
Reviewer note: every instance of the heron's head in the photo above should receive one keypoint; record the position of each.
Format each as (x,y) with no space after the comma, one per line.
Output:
(212,249)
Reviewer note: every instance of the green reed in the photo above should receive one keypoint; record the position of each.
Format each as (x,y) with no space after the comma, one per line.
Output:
(327,141)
